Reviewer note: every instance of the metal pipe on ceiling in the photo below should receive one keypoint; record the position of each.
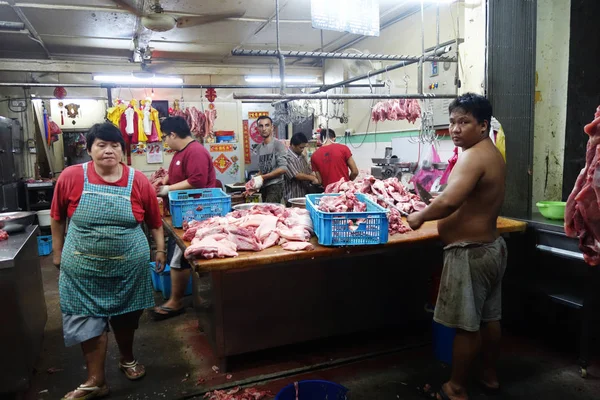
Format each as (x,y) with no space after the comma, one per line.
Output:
(342,96)
(33,33)
(392,67)
(320,54)
(420,69)
(12,26)
(280,56)
(28,85)
(138,86)
(437,27)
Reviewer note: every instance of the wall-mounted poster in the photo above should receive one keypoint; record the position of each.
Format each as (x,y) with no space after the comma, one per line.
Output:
(154,154)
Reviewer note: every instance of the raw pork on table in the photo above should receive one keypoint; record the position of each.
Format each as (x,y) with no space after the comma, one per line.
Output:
(255,229)
(582,213)
(390,189)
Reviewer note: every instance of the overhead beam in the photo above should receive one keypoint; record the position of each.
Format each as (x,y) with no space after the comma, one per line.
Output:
(81,67)
(34,35)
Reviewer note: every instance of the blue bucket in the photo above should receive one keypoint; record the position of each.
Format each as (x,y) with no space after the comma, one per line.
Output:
(443,342)
(313,390)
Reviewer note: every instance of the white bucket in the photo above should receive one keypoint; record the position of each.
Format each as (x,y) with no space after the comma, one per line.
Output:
(44,217)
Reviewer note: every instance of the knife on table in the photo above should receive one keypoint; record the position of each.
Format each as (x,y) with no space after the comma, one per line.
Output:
(423,194)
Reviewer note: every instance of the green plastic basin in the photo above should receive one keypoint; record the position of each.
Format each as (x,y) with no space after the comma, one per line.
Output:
(552,209)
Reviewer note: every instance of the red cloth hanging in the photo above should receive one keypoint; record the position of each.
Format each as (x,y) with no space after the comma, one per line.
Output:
(126,138)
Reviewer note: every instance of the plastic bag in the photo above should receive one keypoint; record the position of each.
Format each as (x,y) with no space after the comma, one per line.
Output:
(427,174)
(498,137)
(451,163)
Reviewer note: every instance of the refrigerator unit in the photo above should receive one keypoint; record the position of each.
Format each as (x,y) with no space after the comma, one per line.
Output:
(11,165)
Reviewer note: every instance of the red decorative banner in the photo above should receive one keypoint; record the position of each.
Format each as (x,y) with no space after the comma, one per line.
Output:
(246,133)
(221,147)
(222,163)
(256,114)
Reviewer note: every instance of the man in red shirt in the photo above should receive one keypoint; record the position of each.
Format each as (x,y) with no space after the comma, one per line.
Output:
(332,161)
(190,168)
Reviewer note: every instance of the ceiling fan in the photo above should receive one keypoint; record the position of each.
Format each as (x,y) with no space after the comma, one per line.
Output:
(160,20)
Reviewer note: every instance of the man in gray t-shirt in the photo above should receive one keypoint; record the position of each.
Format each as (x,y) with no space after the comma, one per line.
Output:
(271,162)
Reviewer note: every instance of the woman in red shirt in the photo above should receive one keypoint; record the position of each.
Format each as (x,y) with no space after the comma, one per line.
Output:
(103,261)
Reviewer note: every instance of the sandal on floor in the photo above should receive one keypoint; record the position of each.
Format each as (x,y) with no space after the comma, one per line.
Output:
(487,390)
(95,392)
(169,313)
(127,367)
(443,394)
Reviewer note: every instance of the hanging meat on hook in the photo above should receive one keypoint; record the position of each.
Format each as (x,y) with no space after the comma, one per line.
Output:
(396,110)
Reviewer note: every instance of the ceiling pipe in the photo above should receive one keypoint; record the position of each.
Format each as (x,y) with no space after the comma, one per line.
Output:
(139,86)
(34,35)
(343,96)
(280,56)
(320,54)
(11,26)
(369,74)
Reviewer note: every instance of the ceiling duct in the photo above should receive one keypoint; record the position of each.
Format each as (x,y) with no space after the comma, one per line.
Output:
(11,26)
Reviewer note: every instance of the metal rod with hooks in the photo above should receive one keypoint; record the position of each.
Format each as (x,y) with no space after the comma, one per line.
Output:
(321,54)
(341,96)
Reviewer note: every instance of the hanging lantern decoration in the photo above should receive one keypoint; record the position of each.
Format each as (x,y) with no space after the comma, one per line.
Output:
(60,92)
(211,95)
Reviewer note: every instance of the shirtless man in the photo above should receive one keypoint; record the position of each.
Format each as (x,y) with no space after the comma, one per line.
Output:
(475,255)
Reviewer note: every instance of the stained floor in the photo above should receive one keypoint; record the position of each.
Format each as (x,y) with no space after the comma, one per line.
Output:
(375,365)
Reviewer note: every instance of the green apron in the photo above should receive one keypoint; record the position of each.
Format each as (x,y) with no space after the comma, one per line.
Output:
(104,265)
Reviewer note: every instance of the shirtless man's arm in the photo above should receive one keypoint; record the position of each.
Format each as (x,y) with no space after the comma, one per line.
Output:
(462,181)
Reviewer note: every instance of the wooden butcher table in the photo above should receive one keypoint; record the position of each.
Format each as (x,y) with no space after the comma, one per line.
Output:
(274,297)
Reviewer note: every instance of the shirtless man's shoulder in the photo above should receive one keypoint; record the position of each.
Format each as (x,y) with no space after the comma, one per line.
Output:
(477,186)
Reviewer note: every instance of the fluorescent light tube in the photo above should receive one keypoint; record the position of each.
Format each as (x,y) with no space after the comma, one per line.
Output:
(275,79)
(151,80)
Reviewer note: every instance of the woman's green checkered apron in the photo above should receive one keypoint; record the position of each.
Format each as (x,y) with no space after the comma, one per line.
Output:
(104,265)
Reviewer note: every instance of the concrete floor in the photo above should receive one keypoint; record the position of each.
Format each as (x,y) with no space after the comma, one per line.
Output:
(379,365)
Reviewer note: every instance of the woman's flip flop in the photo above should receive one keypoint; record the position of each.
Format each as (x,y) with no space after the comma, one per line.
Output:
(127,367)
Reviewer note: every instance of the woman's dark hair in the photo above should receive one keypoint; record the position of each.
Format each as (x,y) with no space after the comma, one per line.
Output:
(264,117)
(176,125)
(327,134)
(474,104)
(104,131)
(298,139)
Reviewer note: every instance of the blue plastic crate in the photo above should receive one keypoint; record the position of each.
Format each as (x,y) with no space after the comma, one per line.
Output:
(44,245)
(313,390)
(161,281)
(198,204)
(333,229)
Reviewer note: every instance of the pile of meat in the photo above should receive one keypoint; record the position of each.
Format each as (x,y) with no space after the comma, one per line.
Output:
(391,190)
(3,235)
(238,394)
(157,177)
(250,187)
(582,213)
(346,202)
(256,229)
(396,110)
(201,123)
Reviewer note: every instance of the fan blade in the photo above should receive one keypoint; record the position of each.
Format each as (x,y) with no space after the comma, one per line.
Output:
(186,22)
(124,5)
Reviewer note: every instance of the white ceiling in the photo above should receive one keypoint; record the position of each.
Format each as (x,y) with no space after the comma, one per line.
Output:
(99,30)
